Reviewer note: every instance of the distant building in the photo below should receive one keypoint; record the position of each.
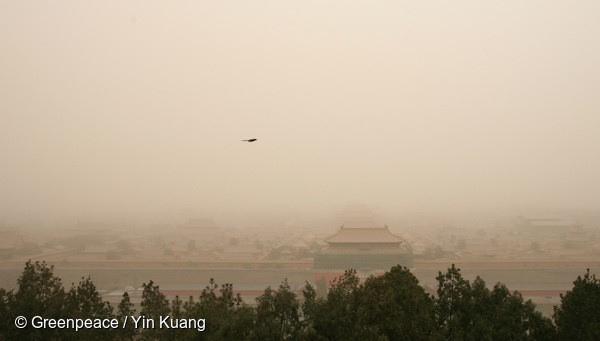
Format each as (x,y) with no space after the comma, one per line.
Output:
(201,224)
(90,228)
(547,224)
(363,248)
(198,233)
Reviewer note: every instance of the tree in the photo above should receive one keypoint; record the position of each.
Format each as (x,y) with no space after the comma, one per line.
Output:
(334,317)
(236,317)
(472,312)
(515,319)
(124,311)
(396,307)
(177,312)
(83,302)
(225,314)
(389,307)
(453,304)
(5,319)
(277,314)
(39,293)
(309,307)
(578,317)
(154,305)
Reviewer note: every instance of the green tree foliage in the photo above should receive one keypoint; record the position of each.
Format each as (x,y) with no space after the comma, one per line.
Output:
(177,313)
(225,314)
(39,293)
(394,306)
(154,305)
(84,301)
(334,317)
(578,316)
(236,318)
(4,315)
(277,314)
(389,307)
(454,304)
(309,307)
(514,318)
(468,311)
(125,310)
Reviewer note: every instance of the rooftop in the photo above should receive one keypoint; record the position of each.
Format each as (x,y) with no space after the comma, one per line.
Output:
(364,235)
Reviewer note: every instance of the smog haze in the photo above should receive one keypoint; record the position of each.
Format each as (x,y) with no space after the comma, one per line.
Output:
(137,109)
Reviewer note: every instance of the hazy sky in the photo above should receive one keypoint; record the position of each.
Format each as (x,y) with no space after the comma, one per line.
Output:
(132,107)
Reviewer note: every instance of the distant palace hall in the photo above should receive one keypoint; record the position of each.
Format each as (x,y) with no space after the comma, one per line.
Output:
(358,244)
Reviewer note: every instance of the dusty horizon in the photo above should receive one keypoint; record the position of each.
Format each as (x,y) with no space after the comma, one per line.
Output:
(135,109)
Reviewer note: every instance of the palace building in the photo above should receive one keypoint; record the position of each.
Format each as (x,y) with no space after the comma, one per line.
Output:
(363,248)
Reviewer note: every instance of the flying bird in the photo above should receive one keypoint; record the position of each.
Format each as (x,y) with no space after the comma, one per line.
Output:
(250,140)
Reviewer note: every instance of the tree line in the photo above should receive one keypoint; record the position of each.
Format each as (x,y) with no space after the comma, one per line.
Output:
(392,306)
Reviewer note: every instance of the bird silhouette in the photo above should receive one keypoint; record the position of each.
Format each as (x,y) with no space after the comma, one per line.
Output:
(250,140)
